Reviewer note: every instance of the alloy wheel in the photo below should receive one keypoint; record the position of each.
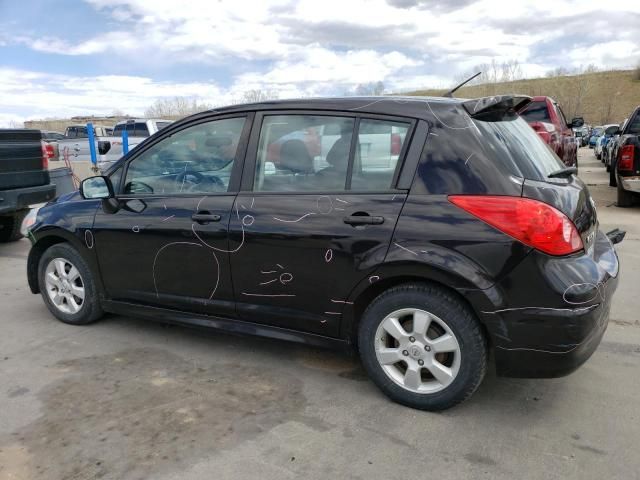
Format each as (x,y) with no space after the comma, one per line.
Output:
(417,350)
(64,285)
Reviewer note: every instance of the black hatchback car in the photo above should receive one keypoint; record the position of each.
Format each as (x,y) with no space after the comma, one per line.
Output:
(425,232)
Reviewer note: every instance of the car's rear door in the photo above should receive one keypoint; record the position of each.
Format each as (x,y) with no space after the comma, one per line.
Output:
(315,215)
(167,243)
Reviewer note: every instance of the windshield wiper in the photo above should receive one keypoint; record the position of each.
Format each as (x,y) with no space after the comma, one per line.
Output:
(563,172)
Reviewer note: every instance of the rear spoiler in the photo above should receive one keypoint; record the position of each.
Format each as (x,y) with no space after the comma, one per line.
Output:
(492,109)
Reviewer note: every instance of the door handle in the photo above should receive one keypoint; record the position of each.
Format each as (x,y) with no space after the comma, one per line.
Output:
(363,220)
(205,217)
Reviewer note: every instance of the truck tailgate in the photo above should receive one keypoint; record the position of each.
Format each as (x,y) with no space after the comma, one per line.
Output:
(21,159)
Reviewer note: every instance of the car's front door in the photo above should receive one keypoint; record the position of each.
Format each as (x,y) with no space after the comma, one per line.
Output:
(167,242)
(316,214)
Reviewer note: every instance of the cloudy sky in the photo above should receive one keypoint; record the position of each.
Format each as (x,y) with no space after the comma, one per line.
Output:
(72,57)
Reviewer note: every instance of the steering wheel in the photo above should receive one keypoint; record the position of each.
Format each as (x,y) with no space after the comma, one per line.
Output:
(182,179)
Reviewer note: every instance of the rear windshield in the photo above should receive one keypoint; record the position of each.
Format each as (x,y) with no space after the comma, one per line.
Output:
(515,142)
(536,112)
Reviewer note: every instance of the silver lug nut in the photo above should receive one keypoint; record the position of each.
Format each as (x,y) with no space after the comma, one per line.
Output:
(420,362)
(405,352)
(412,339)
(427,348)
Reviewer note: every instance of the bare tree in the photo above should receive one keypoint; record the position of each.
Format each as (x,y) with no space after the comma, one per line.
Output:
(13,124)
(258,95)
(369,89)
(175,107)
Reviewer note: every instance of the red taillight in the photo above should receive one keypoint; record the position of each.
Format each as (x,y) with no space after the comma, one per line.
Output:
(396,144)
(625,158)
(47,154)
(532,222)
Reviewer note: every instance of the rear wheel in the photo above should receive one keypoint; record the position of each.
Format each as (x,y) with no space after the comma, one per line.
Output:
(625,199)
(613,182)
(67,286)
(422,347)
(10,226)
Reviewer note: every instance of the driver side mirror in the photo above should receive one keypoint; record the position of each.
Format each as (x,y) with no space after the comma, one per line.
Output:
(576,122)
(96,187)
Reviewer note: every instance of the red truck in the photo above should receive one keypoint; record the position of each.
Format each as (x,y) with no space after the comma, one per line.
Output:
(546,117)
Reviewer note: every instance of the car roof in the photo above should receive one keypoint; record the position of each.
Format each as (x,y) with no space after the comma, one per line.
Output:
(389,105)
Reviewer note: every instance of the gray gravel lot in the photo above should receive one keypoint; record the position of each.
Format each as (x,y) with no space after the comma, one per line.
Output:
(129,399)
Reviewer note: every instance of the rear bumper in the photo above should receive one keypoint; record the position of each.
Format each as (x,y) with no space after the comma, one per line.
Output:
(547,317)
(630,184)
(569,338)
(12,200)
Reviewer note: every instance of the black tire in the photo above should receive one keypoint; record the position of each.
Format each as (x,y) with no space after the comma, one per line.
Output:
(625,199)
(598,156)
(10,226)
(613,182)
(460,320)
(90,309)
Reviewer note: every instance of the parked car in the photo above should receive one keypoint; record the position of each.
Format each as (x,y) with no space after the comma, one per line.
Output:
(52,138)
(546,117)
(596,133)
(612,145)
(625,166)
(602,141)
(24,178)
(138,129)
(474,238)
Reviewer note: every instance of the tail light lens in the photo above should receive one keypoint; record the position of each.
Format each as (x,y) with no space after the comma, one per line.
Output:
(396,144)
(625,159)
(47,154)
(531,222)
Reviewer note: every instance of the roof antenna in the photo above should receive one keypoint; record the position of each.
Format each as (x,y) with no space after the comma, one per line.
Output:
(449,94)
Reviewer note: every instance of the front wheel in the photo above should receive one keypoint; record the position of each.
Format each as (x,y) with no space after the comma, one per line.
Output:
(422,347)
(67,286)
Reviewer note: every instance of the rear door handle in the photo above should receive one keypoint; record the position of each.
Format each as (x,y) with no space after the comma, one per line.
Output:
(363,220)
(205,217)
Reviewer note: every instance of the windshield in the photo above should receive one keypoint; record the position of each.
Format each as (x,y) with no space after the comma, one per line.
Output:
(597,131)
(515,142)
(536,112)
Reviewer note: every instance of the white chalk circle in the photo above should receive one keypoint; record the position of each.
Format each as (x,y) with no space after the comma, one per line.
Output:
(248,220)
(135,229)
(88,239)
(373,278)
(328,256)
(325,205)
(285,278)
(579,289)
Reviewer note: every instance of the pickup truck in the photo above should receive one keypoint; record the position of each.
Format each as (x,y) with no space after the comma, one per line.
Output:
(76,140)
(24,178)
(625,164)
(545,116)
(138,129)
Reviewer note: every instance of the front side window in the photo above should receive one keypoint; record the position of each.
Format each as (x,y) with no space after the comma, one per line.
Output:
(303,153)
(198,159)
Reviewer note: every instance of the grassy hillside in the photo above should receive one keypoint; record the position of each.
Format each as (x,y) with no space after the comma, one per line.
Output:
(600,97)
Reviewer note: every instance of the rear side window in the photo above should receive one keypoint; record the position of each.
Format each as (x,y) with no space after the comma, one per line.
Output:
(141,130)
(380,144)
(514,141)
(117,131)
(536,112)
(303,152)
(161,125)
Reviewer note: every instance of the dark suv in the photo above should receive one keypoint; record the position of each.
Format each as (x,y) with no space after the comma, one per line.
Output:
(425,232)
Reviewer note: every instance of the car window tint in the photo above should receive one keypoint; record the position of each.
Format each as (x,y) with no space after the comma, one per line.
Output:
(117,131)
(302,153)
(536,112)
(130,128)
(141,130)
(197,159)
(380,144)
(633,127)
